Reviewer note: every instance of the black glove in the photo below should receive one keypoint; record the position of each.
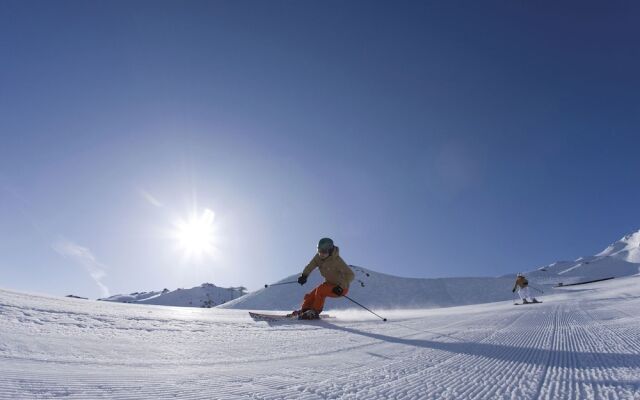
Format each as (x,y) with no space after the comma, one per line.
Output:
(302,279)
(337,290)
(513,291)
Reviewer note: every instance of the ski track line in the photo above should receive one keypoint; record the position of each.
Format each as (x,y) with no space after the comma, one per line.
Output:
(622,340)
(578,358)
(565,366)
(356,370)
(412,362)
(451,380)
(377,342)
(94,384)
(605,340)
(411,378)
(506,373)
(552,346)
(628,336)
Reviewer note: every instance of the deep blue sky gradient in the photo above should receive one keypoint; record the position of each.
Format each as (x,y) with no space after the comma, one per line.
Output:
(429,139)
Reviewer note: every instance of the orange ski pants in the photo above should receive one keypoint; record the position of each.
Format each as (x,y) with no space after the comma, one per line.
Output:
(315,298)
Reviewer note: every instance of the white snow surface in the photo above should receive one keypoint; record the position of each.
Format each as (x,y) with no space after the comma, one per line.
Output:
(583,342)
(382,291)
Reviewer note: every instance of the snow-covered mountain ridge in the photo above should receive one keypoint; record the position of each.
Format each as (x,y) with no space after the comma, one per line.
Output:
(383,291)
(626,249)
(621,258)
(206,295)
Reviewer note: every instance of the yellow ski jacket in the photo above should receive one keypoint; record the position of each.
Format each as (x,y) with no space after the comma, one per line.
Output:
(333,269)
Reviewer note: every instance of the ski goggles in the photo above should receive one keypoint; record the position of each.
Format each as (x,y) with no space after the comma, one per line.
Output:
(324,250)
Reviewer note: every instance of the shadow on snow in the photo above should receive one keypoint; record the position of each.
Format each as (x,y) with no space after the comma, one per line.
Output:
(551,358)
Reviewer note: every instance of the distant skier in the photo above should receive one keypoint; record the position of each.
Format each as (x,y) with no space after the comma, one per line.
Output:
(522,284)
(337,275)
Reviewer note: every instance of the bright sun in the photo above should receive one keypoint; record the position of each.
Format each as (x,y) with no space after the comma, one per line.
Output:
(195,235)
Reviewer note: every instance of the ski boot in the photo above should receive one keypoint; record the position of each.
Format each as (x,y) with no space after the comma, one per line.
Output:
(524,301)
(535,300)
(309,314)
(296,314)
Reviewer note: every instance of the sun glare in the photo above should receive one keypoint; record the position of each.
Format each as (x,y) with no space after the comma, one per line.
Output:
(195,235)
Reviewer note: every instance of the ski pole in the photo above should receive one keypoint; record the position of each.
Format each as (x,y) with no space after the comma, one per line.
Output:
(384,319)
(535,288)
(281,283)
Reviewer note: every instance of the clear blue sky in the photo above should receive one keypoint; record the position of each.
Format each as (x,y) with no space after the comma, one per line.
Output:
(429,139)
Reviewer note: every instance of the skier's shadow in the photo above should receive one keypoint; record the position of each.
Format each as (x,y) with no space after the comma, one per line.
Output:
(437,334)
(555,358)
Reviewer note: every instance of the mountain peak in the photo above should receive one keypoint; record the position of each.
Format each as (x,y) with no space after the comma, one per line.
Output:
(627,248)
(632,238)
(206,295)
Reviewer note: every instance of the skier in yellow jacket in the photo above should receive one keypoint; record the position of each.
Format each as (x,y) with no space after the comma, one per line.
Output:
(337,275)
(522,284)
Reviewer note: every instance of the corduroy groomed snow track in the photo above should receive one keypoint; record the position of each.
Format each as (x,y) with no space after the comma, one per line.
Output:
(582,344)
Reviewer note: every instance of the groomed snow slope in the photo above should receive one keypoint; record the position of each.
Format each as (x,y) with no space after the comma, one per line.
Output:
(581,343)
(383,291)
